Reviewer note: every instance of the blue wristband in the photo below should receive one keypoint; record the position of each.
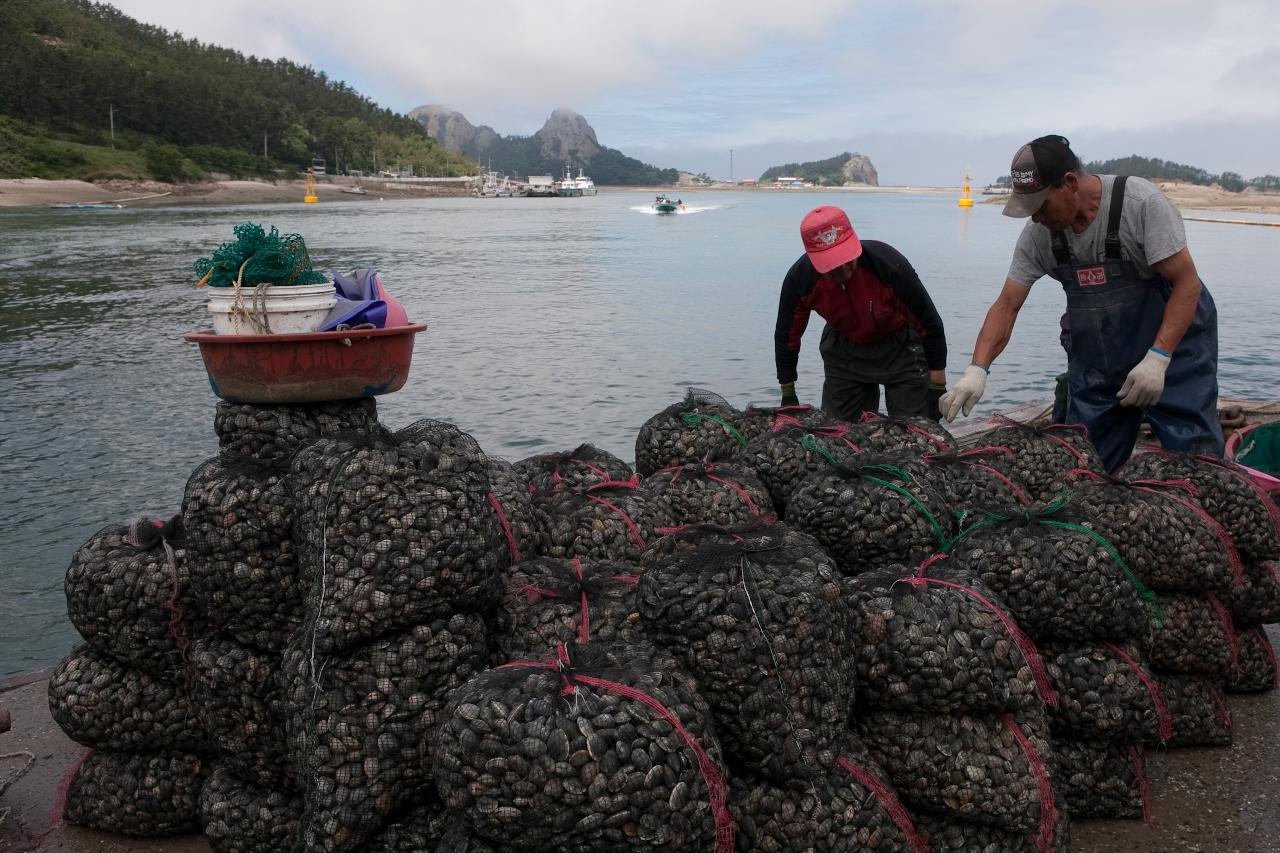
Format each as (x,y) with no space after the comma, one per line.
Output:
(1159,351)
(986,370)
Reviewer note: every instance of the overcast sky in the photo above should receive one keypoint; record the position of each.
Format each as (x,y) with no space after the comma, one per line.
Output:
(923,87)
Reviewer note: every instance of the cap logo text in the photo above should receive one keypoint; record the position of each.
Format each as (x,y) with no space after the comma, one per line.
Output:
(827,236)
(1025,180)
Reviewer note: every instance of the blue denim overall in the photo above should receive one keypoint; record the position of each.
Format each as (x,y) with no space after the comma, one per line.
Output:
(1114,315)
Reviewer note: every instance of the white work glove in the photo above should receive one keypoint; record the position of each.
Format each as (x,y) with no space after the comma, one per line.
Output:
(1145,383)
(966,394)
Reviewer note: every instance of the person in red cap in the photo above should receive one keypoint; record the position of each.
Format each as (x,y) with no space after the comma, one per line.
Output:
(1141,330)
(882,328)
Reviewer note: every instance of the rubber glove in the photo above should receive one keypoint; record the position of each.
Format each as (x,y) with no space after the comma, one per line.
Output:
(934,398)
(966,394)
(1145,383)
(789,397)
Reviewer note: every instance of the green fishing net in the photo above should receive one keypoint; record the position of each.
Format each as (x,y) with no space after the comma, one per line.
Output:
(265,257)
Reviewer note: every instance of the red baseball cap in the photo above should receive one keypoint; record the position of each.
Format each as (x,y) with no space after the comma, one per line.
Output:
(829,238)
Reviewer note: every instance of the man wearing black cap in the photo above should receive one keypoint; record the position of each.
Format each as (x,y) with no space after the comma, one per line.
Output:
(882,327)
(1143,336)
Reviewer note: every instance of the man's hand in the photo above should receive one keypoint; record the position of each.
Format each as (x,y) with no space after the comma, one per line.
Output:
(966,394)
(1145,383)
(789,397)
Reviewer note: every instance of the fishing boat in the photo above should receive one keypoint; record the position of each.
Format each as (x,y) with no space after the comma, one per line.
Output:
(355,190)
(585,184)
(664,204)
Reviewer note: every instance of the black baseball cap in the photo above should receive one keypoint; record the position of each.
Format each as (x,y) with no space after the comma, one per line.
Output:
(1036,167)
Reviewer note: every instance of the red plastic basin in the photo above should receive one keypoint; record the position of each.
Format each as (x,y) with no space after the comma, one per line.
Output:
(310,368)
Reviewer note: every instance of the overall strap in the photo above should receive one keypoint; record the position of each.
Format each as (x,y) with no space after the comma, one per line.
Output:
(1113,218)
(1061,249)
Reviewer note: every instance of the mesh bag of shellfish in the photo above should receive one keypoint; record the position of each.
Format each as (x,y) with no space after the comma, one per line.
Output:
(239,701)
(149,794)
(938,640)
(1196,635)
(276,432)
(102,703)
(783,459)
(761,625)
(944,834)
(870,513)
(380,702)
(1226,492)
(240,817)
(585,465)
(755,421)
(607,521)
(1101,778)
(128,594)
(1159,529)
(244,573)
(1105,691)
(509,497)
(979,477)
(910,436)
(1200,716)
(1056,577)
(843,806)
(1256,601)
(1042,456)
(709,493)
(989,769)
(1259,670)
(457,839)
(594,752)
(699,427)
(391,535)
(550,601)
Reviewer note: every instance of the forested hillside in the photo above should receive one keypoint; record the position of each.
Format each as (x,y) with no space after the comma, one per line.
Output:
(70,68)
(1155,169)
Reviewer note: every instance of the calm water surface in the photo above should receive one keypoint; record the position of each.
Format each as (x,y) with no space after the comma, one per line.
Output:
(552,322)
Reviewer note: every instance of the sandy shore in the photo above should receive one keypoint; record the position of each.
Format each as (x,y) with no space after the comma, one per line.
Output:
(35,192)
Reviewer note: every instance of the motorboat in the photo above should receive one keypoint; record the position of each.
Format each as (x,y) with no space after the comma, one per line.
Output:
(665,204)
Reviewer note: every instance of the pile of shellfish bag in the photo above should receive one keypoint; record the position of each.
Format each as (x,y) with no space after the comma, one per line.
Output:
(613,520)
(401,550)
(1043,457)
(724,494)
(702,426)
(123,694)
(1251,521)
(585,465)
(951,699)
(784,457)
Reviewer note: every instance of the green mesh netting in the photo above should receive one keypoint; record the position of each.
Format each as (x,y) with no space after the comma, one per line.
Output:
(265,257)
(1260,449)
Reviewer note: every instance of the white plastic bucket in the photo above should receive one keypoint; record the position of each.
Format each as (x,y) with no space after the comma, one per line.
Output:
(275,309)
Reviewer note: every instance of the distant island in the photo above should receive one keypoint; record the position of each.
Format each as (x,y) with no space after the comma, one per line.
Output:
(1157,170)
(842,170)
(565,143)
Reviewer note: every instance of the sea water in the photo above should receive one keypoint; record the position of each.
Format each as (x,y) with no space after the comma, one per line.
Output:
(551,322)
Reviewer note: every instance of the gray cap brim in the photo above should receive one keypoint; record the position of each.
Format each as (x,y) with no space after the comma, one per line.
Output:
(1022,205)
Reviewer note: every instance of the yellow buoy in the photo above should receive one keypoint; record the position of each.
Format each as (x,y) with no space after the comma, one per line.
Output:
(965,201)
(311,197)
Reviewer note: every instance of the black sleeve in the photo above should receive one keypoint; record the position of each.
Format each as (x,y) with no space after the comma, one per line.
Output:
(793,318)
(896,272)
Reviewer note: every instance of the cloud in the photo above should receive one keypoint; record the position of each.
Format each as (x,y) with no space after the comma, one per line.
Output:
(672,76)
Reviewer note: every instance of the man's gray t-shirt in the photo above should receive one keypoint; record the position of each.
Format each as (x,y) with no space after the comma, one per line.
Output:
(1151,230)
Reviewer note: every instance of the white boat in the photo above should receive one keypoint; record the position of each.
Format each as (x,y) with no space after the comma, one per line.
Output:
(495,185)
(568,187)
(355,190)
(584,183)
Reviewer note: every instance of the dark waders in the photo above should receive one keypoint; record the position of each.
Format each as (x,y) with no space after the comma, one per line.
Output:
(1114,316)
(855,372)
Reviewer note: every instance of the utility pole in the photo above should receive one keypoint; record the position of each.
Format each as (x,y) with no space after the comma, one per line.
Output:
(731,166)
(111,114)
(264,145)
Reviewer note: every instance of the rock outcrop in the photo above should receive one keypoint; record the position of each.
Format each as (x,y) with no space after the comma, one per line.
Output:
(858,170)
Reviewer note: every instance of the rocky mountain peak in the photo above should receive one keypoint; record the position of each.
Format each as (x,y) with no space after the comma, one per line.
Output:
(565,131)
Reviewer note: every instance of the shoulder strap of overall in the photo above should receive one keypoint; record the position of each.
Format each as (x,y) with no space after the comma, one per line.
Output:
(1113,218)
(1061,249)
